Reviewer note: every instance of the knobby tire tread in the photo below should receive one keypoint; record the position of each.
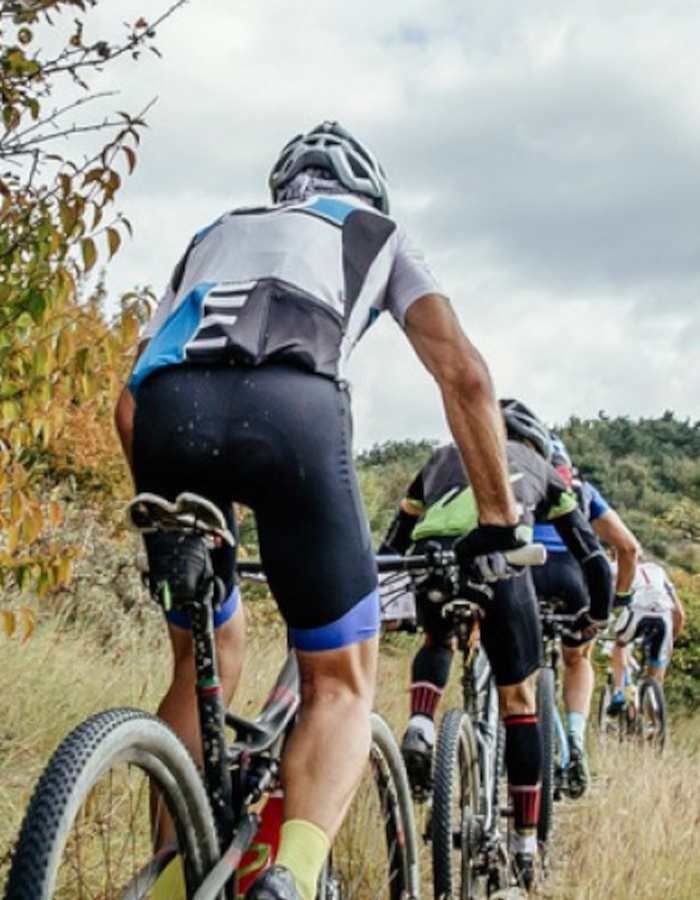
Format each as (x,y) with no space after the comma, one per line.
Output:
(456,767)
(545,709)
(104,740)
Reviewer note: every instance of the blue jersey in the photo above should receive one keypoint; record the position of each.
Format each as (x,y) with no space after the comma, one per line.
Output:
(593,505)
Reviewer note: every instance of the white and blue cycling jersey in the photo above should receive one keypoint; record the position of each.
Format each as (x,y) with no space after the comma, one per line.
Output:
(295,283)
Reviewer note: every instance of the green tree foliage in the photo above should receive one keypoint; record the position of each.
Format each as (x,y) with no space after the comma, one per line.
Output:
(385,471)
(649,470)
(58,352)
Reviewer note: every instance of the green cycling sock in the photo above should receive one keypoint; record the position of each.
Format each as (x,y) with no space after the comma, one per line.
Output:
(303,850)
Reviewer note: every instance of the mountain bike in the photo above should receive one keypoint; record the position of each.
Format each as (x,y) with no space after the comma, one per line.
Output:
(464,821)
(643,717)
(91,826)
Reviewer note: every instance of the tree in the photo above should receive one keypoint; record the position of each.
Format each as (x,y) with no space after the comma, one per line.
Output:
(58,351)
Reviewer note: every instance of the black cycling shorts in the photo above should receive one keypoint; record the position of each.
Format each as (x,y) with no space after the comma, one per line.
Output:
(561,578)
(510,626)
(278,440)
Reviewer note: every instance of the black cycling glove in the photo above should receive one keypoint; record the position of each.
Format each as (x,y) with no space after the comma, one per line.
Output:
(484,546)
(623,598)
(485,539)
(584,627)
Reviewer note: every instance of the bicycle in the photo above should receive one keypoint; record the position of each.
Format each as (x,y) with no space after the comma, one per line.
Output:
(555,745)
(469,846)
(89,831)
(643,716)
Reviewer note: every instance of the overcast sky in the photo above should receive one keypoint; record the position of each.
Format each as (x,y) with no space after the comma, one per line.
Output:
(546,155)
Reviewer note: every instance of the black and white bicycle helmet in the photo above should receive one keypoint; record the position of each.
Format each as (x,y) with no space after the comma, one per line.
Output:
(523,424)
(329,146)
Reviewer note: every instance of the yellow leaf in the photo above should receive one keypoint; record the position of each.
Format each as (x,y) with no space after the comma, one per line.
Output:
(12,538)
(113,240)
(28,624)
(9,622)
(87,245)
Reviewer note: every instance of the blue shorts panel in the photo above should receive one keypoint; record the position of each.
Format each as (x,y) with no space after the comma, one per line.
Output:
(221,616)
(359,624)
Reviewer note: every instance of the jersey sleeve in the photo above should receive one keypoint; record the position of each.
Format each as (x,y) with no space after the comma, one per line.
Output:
(559,499)
(410,278)
(415,495)
(597,504)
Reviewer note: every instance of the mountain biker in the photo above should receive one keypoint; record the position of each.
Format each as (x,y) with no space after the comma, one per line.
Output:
(653,608)
(560,579)
(440,504)
(238,394)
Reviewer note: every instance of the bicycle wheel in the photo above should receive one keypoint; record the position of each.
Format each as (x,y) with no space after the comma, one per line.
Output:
(651,713)
(375,854)
(456,794)
(545,711)
(610,725)
(87,831)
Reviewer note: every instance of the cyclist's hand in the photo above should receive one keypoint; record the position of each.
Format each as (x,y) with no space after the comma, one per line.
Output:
(485,545)
(584,627)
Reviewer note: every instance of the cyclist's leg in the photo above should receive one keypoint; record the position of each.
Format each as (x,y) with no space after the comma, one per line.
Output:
(328,748)
(512,639)
(317,553)
(168,460)
(430,672)
(660,647)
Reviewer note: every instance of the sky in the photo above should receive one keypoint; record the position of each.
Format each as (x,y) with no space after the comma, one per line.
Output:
(545,155)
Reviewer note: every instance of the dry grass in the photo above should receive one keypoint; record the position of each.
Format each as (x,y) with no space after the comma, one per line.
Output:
(636,835)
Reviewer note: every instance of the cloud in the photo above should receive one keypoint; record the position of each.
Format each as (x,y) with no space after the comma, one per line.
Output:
(544,155)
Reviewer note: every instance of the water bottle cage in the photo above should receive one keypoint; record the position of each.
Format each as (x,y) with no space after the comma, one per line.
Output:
(181,571)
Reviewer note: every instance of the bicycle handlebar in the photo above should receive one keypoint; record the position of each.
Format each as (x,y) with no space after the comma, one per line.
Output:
(528,555)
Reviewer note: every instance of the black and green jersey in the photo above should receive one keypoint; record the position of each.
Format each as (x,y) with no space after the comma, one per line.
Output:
(449,509)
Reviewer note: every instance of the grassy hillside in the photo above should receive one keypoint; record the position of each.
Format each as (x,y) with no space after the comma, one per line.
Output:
(633,836)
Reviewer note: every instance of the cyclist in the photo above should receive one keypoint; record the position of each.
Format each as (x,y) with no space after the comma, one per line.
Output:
(560,578)
(440,504)
(654,609)
(238,394)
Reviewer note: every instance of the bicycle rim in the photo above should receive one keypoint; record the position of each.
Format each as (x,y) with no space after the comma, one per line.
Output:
(545,711)
(651,718)
(87,832)
(455,806)
(375,854)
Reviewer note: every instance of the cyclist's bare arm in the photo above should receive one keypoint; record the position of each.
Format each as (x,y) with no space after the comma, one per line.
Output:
(470,404)
(124,414)
(678,613)
(614,532)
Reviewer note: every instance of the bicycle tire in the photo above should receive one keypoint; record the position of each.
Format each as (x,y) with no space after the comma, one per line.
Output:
(87,797)
(651,714)
(454,830)
(545,710)
(375,853)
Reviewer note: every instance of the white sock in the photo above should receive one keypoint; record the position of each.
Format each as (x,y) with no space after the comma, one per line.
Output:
(425,725)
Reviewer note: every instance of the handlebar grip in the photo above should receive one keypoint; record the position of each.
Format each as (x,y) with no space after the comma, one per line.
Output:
(529,555)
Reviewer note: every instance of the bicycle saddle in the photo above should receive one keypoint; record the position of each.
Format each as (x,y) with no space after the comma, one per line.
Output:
(148,513)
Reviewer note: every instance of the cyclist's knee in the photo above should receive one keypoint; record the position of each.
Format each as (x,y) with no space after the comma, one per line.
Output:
(518,699)
(347,673)
(577,656)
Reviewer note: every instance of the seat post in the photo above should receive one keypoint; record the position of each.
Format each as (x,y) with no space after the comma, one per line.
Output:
(211,710)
